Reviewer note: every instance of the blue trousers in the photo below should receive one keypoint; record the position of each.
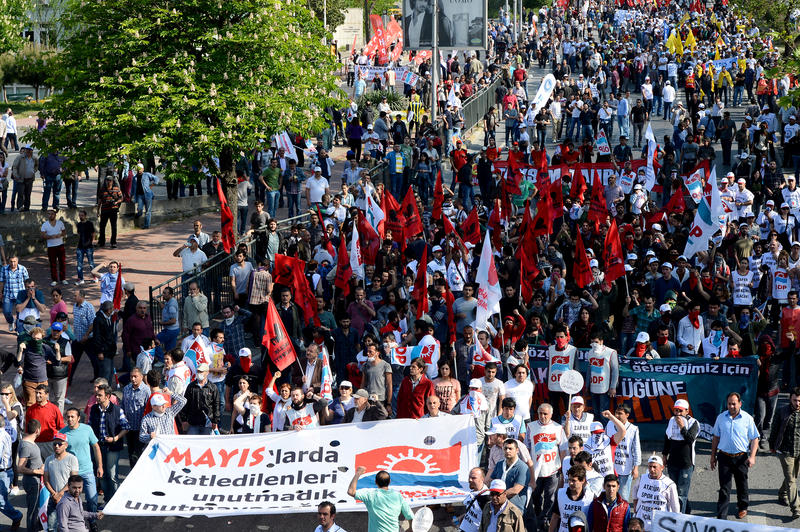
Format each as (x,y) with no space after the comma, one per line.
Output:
(272,202)
(52,183)
(144,205)
(7,508)
(683,481)
(79,255)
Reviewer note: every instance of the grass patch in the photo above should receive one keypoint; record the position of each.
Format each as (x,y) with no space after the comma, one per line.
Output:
(25,109)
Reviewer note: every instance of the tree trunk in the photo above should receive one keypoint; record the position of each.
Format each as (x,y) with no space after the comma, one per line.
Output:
(36,92)
(227,178)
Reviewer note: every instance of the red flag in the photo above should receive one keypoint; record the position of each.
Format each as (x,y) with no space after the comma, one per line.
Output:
(118,292)
(282,270)
(420,293)
(228,236)
(598,212)
(581,270)
(557,195)
(527,251)
(676,204)
(303,295)
(395,221)
(380,35)
(343,269)
(543,221)
(655,218)
(438,197)
(449,299)
(413,225)
(370,241)
(471,227)
(578,186)
(278,344)
(266,403)
(494,224)
(612,254)
(326,242)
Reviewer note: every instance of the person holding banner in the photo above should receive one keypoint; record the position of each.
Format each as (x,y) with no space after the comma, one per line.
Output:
(383,505)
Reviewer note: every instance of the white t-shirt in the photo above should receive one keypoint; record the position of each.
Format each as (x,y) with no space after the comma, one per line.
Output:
(52,230)
(316,188)
(521,393)
(241,193)
(190,260)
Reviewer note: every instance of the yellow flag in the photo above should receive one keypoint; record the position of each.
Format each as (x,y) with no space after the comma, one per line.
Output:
(671,42)
(678,45)
(716,54)
(690,41)
(683,20)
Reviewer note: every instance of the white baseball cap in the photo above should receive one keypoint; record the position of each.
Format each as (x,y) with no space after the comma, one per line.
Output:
(475,383)
(642,338)
(577,400)
(245,352)
(681,403)
(665,308)
(498,485)
(158,400)
(655,459)
(595,427)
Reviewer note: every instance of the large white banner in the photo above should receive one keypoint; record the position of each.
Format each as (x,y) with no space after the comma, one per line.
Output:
(670,522)
(292,472)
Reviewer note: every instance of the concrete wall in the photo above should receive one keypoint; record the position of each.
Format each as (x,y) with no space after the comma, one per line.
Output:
(352,26)
(21,230)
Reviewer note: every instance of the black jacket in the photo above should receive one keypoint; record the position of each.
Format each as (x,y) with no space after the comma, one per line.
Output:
(201,402)
(104,335)
(779,427)
(374,412)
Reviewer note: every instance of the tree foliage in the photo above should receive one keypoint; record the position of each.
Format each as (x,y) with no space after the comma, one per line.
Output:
(13,19)
(334,8)
(185,80)
(32,65)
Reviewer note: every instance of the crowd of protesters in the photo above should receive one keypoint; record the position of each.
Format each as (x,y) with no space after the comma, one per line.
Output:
(423,206)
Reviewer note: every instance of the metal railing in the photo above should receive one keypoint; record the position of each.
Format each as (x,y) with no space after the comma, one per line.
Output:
(213,277)
(474,108)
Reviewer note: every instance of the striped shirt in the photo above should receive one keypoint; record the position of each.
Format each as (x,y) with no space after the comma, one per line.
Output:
(164,424)
(133,403)
(13,281)
(82,319)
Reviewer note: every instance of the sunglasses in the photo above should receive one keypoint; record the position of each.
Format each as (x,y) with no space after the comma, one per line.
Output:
(60,443)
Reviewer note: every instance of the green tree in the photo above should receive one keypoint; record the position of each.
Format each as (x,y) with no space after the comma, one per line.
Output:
(32,65)
(8,71)
(334,8)
(776,17)
(185,81)
(13,19)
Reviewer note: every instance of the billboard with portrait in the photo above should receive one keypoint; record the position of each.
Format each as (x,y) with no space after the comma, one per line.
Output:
(462,24)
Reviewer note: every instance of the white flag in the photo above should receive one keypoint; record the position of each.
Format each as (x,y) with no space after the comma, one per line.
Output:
(375,214)
(649,172)
(283,140)
(356,260)
(543,94)
(489,292)
(706,220)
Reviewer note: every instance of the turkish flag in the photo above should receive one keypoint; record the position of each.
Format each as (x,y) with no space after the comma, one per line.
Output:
(343,269)
(598,212)
(420,293)
(279,345)
(676,204)
(370,240)
(228,236)
(581,270)
(471,227)
(438,197)
(395,221)
(612,254)
(325,240)
(578,186)
(413,225)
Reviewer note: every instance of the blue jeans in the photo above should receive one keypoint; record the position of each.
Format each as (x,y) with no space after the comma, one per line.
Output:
(221,389)
(30,484)
(600,402)
(71,188)
(79,255)
(272,202)
(738,92)
(90,490)
(657,103)
(467,195)
(107,370)
(683,481)
(168,339)
(396,186)
(14,193)
(625,482)
(294,204)
(110,480)
(51,183)
(242,219)
(195,430)
(144,204)
(622,122)
(5,486)
(8,310)
(570,126)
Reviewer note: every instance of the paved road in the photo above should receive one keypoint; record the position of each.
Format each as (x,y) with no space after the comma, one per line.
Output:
(765,477)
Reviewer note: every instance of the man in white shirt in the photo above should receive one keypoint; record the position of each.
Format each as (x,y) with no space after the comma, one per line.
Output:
(190,254)
(668,95)
(316,186)
(656,492)
(11,130)
(53,233)
(326,514)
